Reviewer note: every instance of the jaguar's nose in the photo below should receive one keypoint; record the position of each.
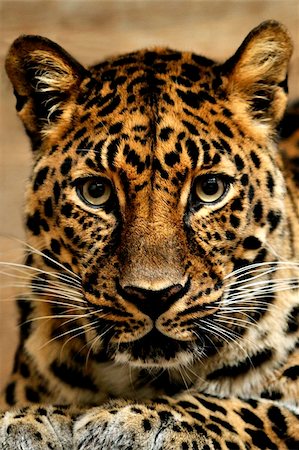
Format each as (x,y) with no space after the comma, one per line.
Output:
(154,303)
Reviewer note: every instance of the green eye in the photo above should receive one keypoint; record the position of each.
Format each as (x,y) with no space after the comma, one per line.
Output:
(95,192)
(209,188)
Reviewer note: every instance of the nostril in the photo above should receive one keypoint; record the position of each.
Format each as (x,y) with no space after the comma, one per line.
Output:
(162,294)
(136,292)
(153,302)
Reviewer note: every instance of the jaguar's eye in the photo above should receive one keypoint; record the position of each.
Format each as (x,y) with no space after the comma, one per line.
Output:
(94,191)
(209,188)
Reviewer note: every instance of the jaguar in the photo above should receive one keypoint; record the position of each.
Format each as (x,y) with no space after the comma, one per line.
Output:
(160,305)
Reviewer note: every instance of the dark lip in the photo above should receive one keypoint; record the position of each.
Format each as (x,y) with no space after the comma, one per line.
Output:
(156,349)
(154,346)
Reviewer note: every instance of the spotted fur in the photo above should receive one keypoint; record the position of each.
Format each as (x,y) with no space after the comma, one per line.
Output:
(162,267)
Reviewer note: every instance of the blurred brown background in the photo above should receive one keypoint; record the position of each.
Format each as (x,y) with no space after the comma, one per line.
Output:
(92,30)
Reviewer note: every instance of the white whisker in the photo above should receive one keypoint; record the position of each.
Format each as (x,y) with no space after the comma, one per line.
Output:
(277,281)
(231,337)
(95,341)
(261,274)
(40,253)
(57,302)
(240,272)
(258,293)
(71,317)
(45,292)
(234,321)
(81,327)
(23,267)
(90,325)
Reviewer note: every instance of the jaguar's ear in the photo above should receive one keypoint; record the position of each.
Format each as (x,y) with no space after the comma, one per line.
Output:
(44,77)
(257,73)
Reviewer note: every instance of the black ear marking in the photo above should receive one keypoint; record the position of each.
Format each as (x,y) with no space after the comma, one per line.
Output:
(20,100)
(290,122)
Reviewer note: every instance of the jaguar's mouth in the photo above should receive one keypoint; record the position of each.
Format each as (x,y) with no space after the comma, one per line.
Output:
(155,350)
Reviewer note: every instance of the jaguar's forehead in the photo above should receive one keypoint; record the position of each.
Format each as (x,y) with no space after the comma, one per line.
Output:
(151,83)
(150,67)
(152,109)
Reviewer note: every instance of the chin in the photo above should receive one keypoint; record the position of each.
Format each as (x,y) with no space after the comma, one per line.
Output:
(156,350)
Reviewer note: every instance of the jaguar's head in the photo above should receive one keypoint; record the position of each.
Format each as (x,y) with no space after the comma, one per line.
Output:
(154,179)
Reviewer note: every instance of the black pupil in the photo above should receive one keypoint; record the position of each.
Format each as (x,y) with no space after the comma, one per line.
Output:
(210,186)
(96,189)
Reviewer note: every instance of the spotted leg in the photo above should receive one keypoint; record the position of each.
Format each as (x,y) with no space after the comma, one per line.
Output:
(188,422)
(37,428)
